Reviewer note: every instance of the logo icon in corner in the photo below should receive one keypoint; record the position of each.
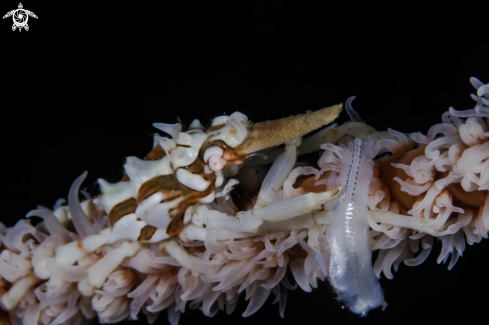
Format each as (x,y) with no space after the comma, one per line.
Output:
(20,17)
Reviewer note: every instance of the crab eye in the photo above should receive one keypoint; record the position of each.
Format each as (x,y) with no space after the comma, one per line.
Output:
(216,163)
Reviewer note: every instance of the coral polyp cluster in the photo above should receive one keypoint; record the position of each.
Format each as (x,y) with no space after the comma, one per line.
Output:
(236,209)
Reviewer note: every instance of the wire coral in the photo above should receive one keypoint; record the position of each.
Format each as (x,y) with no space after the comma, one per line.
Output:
(205,219)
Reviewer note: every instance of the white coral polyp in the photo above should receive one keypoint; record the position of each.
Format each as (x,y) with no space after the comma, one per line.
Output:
(473,167)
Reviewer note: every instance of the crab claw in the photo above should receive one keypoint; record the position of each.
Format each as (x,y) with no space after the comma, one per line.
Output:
(272,133)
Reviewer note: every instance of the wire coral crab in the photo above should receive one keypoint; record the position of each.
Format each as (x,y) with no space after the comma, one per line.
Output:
(213,213)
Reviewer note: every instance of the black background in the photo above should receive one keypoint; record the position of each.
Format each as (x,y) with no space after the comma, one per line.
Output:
(82,87)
